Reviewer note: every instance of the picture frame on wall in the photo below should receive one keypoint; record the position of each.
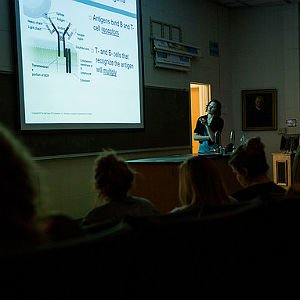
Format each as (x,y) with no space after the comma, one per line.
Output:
(259,110)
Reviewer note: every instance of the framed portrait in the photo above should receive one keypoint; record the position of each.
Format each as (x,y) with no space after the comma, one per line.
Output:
(259,110)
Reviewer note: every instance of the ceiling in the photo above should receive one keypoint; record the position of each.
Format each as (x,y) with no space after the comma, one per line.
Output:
(253,3)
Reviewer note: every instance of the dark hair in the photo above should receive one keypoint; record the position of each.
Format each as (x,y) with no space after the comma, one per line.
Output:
(218,106)
(250,157)
(113,177)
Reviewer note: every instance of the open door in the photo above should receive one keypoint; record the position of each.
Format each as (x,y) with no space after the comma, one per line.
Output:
(200,95)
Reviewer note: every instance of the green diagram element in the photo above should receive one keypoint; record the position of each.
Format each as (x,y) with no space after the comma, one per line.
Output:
(48,57)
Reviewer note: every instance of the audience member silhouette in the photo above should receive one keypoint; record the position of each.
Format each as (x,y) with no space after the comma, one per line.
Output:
(113,181)
(201,190)
(18,194)
(249,164)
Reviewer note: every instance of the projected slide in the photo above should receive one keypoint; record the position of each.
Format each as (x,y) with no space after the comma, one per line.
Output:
(79,63)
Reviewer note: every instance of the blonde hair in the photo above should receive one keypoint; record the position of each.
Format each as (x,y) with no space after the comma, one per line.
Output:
(200,183)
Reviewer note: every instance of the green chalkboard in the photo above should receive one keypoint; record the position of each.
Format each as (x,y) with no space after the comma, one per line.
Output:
(166,116)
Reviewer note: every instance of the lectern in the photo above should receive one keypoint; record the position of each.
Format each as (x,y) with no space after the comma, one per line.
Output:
(282,168)
(158,178)
(283,161)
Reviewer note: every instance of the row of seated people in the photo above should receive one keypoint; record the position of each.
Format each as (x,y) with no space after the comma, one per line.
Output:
(201,192)
(200,188)
(140,246)
(166,255)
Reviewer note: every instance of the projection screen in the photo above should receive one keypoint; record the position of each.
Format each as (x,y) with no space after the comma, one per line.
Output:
(79,64)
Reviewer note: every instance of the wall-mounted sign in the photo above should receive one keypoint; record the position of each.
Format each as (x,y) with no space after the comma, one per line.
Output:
(170,61)
(175,47)
(173,55)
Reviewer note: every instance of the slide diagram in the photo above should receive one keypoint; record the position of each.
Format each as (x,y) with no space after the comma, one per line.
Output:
(41,10)
(81,62)
(66,51)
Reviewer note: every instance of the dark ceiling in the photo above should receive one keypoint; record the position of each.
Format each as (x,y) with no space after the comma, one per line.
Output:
(253,3)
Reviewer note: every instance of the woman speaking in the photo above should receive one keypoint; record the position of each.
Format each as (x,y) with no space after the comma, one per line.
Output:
(207,126)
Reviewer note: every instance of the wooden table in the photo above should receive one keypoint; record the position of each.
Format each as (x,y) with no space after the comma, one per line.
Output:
(157,178)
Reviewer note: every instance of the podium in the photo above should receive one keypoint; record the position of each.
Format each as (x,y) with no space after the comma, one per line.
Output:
(282,168)
(158,178)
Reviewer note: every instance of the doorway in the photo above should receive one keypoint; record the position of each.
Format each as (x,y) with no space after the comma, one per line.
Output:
(200,95)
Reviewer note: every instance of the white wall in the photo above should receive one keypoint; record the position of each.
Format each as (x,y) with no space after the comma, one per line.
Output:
(265,55)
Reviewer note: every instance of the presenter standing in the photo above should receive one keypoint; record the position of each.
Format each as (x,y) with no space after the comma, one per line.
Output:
(207,126)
